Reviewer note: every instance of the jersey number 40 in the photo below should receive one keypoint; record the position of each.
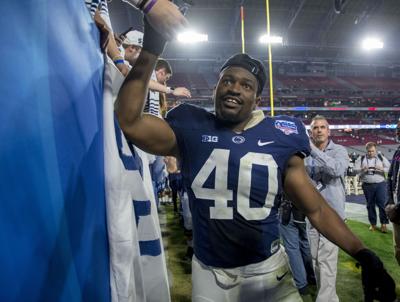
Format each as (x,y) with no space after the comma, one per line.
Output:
(218,160)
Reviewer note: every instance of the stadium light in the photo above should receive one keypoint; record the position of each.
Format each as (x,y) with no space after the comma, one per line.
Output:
(372,43)
(190,37)
(265,39)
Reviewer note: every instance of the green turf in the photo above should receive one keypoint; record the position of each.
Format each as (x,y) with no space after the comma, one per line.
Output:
(348,279)
(180,268)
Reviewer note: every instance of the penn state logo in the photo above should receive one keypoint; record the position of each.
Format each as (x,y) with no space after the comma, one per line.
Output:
(238,139)
(287,127)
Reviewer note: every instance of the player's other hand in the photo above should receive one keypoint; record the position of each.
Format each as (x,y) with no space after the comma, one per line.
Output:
(166,18)
(182,91)
(377,283)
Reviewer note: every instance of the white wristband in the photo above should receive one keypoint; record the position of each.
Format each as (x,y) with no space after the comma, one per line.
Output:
(169,90)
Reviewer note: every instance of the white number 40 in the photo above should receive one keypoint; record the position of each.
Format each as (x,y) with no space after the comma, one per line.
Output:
(218,160)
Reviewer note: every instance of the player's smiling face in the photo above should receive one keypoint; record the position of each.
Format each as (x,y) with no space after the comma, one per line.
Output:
(235,96)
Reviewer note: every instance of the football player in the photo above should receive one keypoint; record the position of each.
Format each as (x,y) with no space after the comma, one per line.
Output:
(235,164)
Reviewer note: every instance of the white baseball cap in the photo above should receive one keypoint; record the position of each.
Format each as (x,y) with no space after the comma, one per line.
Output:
(134,37)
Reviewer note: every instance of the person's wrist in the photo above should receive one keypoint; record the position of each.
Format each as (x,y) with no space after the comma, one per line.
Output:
(153,42)
(118,60)
(148,5)
(368,259)
(169,90)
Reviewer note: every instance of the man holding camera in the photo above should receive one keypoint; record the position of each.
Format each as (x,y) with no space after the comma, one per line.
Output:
(372,168)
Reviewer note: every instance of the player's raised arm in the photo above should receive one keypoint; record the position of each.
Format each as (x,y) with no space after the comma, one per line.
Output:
(148,132)
(376,281)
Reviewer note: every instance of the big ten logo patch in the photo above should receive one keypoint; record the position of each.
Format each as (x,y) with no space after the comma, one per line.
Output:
(209,139)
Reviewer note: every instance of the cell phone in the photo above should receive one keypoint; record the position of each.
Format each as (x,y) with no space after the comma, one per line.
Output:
(123,34)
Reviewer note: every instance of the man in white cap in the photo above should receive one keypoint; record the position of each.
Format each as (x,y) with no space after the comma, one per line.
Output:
(132,45)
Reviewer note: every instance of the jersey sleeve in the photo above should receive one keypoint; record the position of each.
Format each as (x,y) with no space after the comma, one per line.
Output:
(293,132)
(303,141)
(174,119)
(184,119)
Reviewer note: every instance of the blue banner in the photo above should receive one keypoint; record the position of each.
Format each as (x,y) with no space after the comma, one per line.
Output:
(53,233)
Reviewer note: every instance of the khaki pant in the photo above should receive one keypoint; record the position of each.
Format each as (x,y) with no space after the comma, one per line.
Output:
(270,280)
(325,256)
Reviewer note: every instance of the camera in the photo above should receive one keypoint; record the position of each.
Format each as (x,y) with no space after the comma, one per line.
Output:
(371,171)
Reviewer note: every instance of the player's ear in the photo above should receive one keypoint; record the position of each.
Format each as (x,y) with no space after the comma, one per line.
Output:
(257,102)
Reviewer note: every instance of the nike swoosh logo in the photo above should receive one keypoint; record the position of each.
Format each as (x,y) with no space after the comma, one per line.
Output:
(279,278)
(260,143)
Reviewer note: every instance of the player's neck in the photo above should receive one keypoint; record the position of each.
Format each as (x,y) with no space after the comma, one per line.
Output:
(239,128)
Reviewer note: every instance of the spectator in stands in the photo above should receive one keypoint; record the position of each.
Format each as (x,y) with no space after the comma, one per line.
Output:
(158,84)
(372,168)
(393,205)
(294,235)
(162,14)
(326,166)
(132,45)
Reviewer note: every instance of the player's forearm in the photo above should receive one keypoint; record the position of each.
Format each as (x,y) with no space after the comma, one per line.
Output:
(308,200)
(324,218)
(133,92)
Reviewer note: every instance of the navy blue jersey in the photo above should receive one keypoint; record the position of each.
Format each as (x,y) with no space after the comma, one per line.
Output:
(234,182)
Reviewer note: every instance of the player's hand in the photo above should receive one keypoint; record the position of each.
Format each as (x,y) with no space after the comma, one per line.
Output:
(182,91)
(393,213)
(376,281)
(166,18)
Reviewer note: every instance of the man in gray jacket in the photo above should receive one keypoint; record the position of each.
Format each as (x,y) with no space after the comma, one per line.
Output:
(326,166)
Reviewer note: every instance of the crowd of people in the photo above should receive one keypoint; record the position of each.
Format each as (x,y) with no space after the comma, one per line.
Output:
(250,180)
